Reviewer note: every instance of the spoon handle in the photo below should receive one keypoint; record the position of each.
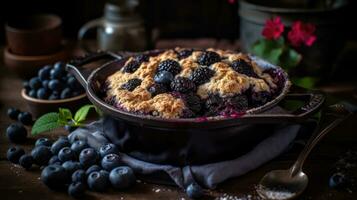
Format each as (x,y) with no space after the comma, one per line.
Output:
(297,167)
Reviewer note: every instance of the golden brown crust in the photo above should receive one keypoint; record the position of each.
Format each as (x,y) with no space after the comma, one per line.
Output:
(225,82)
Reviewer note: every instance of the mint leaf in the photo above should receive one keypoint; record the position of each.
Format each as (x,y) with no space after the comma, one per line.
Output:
(305,82)
(45,123)
(82,113)
(290,58)
(270,50)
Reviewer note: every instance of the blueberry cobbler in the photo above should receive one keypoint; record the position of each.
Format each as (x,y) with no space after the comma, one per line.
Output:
(187,83)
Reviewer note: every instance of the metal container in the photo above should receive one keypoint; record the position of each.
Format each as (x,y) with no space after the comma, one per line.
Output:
(121,28)
(328,18)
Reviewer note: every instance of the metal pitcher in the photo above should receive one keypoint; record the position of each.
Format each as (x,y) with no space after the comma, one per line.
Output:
(121,28)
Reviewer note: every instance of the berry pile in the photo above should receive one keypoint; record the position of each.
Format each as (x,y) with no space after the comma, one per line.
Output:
(52,83)
(75,166)
(344,176)
(16,132)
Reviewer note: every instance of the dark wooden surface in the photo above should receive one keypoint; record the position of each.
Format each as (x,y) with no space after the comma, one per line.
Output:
(16,183)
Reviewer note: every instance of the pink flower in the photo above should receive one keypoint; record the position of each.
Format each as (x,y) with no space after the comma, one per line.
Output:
(302,33)
(273,28)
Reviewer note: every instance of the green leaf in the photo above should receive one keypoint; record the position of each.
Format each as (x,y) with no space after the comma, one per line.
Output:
(290,58)
(82,113)
(305,82)
(270,50)
(45,123)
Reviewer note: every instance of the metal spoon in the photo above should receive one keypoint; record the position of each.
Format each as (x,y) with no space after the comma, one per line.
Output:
(290,183)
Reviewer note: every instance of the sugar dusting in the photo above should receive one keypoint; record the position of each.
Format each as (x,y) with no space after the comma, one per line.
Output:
(275,193)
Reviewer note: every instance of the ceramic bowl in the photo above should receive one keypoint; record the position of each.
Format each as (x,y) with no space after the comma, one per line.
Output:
(39,107)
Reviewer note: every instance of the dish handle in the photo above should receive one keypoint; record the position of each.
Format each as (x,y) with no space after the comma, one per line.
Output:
(82,67)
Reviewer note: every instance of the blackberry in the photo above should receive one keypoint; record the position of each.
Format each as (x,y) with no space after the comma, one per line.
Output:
(201,75)
(183,85)
(142,58)
(157,88)
(131,66)
(238,102)
(260,98)
(184,53)
(208,58)
(242,67)
(213,102)
(131,84)
(169,65)
(193,102)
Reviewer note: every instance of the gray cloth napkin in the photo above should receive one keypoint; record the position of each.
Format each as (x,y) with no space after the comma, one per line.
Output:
(208,175)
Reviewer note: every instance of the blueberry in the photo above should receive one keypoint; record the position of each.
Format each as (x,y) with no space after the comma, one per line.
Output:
(66,154)
(41,155)
(56,73)
(58,145)
(78,146)
(88,157)
(43,142)
(26,86)
(93,168)
(104,173)
(13,113)
(194,191)
(14,153)
(111,161)
(35,83)
(54,160)
(26,161)
(44,74)
(25,118)
(338,180)
(97,181)
(122,177)
(42,93)
(79,176)
(59,66)
(54,96)
(33,93)
(45,84)
(55,177)
(16,133)
(55,85)
(108,149)
(71,166)
(76,190)
(66,93)
(163,77)
(70,128)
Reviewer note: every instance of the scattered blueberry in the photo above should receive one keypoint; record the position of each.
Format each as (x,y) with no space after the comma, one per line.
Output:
(25,118)
(93,168)
(41,155)
(35,83)
(14,153)
(26,161)
(104,173)
(58,145)
(122,177)
(76,190)
(55,177)
(88,157)
(71,166)
(42,93)
(16,133)
(194,191)
(66,93)
(78,146)
(13,113)
(97,181)
(108,149)
(111,161)
(43,142)
(65,154)
(338,180)
(79,176)
(54,160)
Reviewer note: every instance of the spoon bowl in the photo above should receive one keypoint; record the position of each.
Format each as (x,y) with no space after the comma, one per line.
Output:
(280,184)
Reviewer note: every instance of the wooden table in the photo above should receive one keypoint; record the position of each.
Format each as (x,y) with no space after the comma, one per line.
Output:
(16,183)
